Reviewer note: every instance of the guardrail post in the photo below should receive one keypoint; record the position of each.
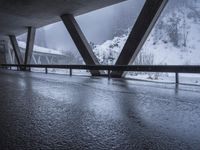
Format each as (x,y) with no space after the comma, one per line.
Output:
(109,75)
(46,70)
(70,70)
(18,69)
(177,78)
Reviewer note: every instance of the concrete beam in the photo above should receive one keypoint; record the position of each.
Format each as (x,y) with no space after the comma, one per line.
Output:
(80,42)
(16,49)
(29,45)
(143,26)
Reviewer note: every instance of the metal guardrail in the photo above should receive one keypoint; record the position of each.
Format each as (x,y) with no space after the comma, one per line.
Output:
(110,68)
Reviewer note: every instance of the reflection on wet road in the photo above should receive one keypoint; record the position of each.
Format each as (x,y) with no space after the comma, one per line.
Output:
(39,111)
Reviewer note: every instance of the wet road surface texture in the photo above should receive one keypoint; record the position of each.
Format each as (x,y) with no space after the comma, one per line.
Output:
(39,111)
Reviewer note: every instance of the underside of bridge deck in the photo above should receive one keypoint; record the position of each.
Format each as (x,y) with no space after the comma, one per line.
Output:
(16,16)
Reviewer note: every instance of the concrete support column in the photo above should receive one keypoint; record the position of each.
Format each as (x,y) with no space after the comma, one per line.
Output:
(143,26)
(8,54)
(16,49)
(2,54)
(80,42)
(29,45)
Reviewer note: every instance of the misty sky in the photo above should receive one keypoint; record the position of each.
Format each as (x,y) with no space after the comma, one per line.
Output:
(98,26)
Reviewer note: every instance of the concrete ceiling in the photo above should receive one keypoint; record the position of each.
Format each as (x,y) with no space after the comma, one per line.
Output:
(17,15)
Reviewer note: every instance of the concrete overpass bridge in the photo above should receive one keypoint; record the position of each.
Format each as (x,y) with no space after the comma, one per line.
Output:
(40,55)
(43,55)
(39,111)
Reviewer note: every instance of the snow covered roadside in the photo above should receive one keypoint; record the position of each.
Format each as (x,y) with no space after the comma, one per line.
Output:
(193,79)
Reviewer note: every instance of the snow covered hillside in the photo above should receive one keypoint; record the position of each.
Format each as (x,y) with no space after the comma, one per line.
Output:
(175,39)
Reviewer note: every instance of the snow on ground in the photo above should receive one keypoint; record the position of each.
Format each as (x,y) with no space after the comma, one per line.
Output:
(163,54)
(193,79)
(110,50)
(170,55)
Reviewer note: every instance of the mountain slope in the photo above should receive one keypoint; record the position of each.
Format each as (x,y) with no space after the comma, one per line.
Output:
(174,40)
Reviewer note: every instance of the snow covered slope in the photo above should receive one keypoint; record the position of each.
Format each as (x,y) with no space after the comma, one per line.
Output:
(175,39)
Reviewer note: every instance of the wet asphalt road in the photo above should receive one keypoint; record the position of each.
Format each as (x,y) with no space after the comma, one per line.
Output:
(39,111)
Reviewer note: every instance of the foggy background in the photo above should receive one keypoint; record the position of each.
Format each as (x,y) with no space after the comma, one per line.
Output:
(98,26)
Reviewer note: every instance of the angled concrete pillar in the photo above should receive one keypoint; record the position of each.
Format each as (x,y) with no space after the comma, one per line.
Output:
(16,49)
(80,42)
(143,26)
(29,45)
(2,54)
(8,54)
